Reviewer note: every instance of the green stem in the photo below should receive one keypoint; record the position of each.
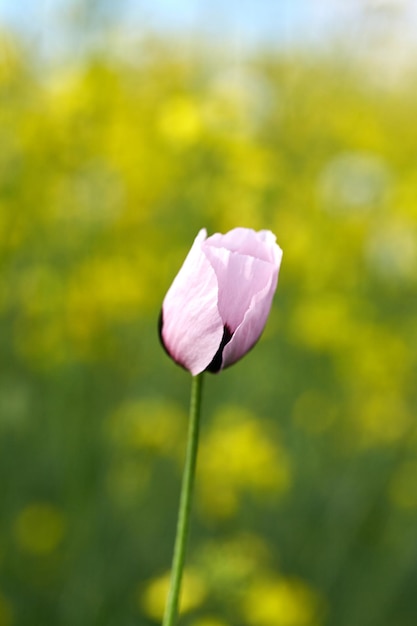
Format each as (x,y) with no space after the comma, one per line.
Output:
(183,523)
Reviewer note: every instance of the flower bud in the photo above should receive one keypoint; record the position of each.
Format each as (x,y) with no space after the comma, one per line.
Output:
(217,307)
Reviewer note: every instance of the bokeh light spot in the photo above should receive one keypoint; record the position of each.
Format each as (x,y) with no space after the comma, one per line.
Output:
(39,528)
(281,602)
(193,591)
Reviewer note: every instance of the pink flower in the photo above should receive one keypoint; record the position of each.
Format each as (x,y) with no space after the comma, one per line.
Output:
(218,305)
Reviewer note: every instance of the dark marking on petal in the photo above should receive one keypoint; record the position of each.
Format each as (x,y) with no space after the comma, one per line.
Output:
(161,339)
(216,362)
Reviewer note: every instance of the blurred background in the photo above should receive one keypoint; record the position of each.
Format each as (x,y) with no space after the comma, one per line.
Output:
(126,127)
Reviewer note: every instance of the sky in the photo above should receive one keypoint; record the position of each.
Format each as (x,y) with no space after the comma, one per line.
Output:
(251,22)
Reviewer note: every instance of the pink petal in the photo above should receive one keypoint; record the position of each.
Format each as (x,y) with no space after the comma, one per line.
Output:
(247,274)
(192,328)
(251,328)
(260,245)
(239,278)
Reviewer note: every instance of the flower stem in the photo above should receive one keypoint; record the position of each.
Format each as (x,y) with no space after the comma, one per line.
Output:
(183,523)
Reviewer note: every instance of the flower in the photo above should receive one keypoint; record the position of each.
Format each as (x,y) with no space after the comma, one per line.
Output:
(217,307)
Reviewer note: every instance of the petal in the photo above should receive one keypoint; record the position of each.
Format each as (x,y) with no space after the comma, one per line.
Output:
(247,281)
(240,278)
(192,328)
(260,245)
(251,328)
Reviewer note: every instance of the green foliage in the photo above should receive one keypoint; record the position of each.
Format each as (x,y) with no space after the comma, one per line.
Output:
(306,501)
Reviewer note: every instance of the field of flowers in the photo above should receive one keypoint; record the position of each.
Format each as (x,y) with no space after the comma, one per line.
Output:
(306,492)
